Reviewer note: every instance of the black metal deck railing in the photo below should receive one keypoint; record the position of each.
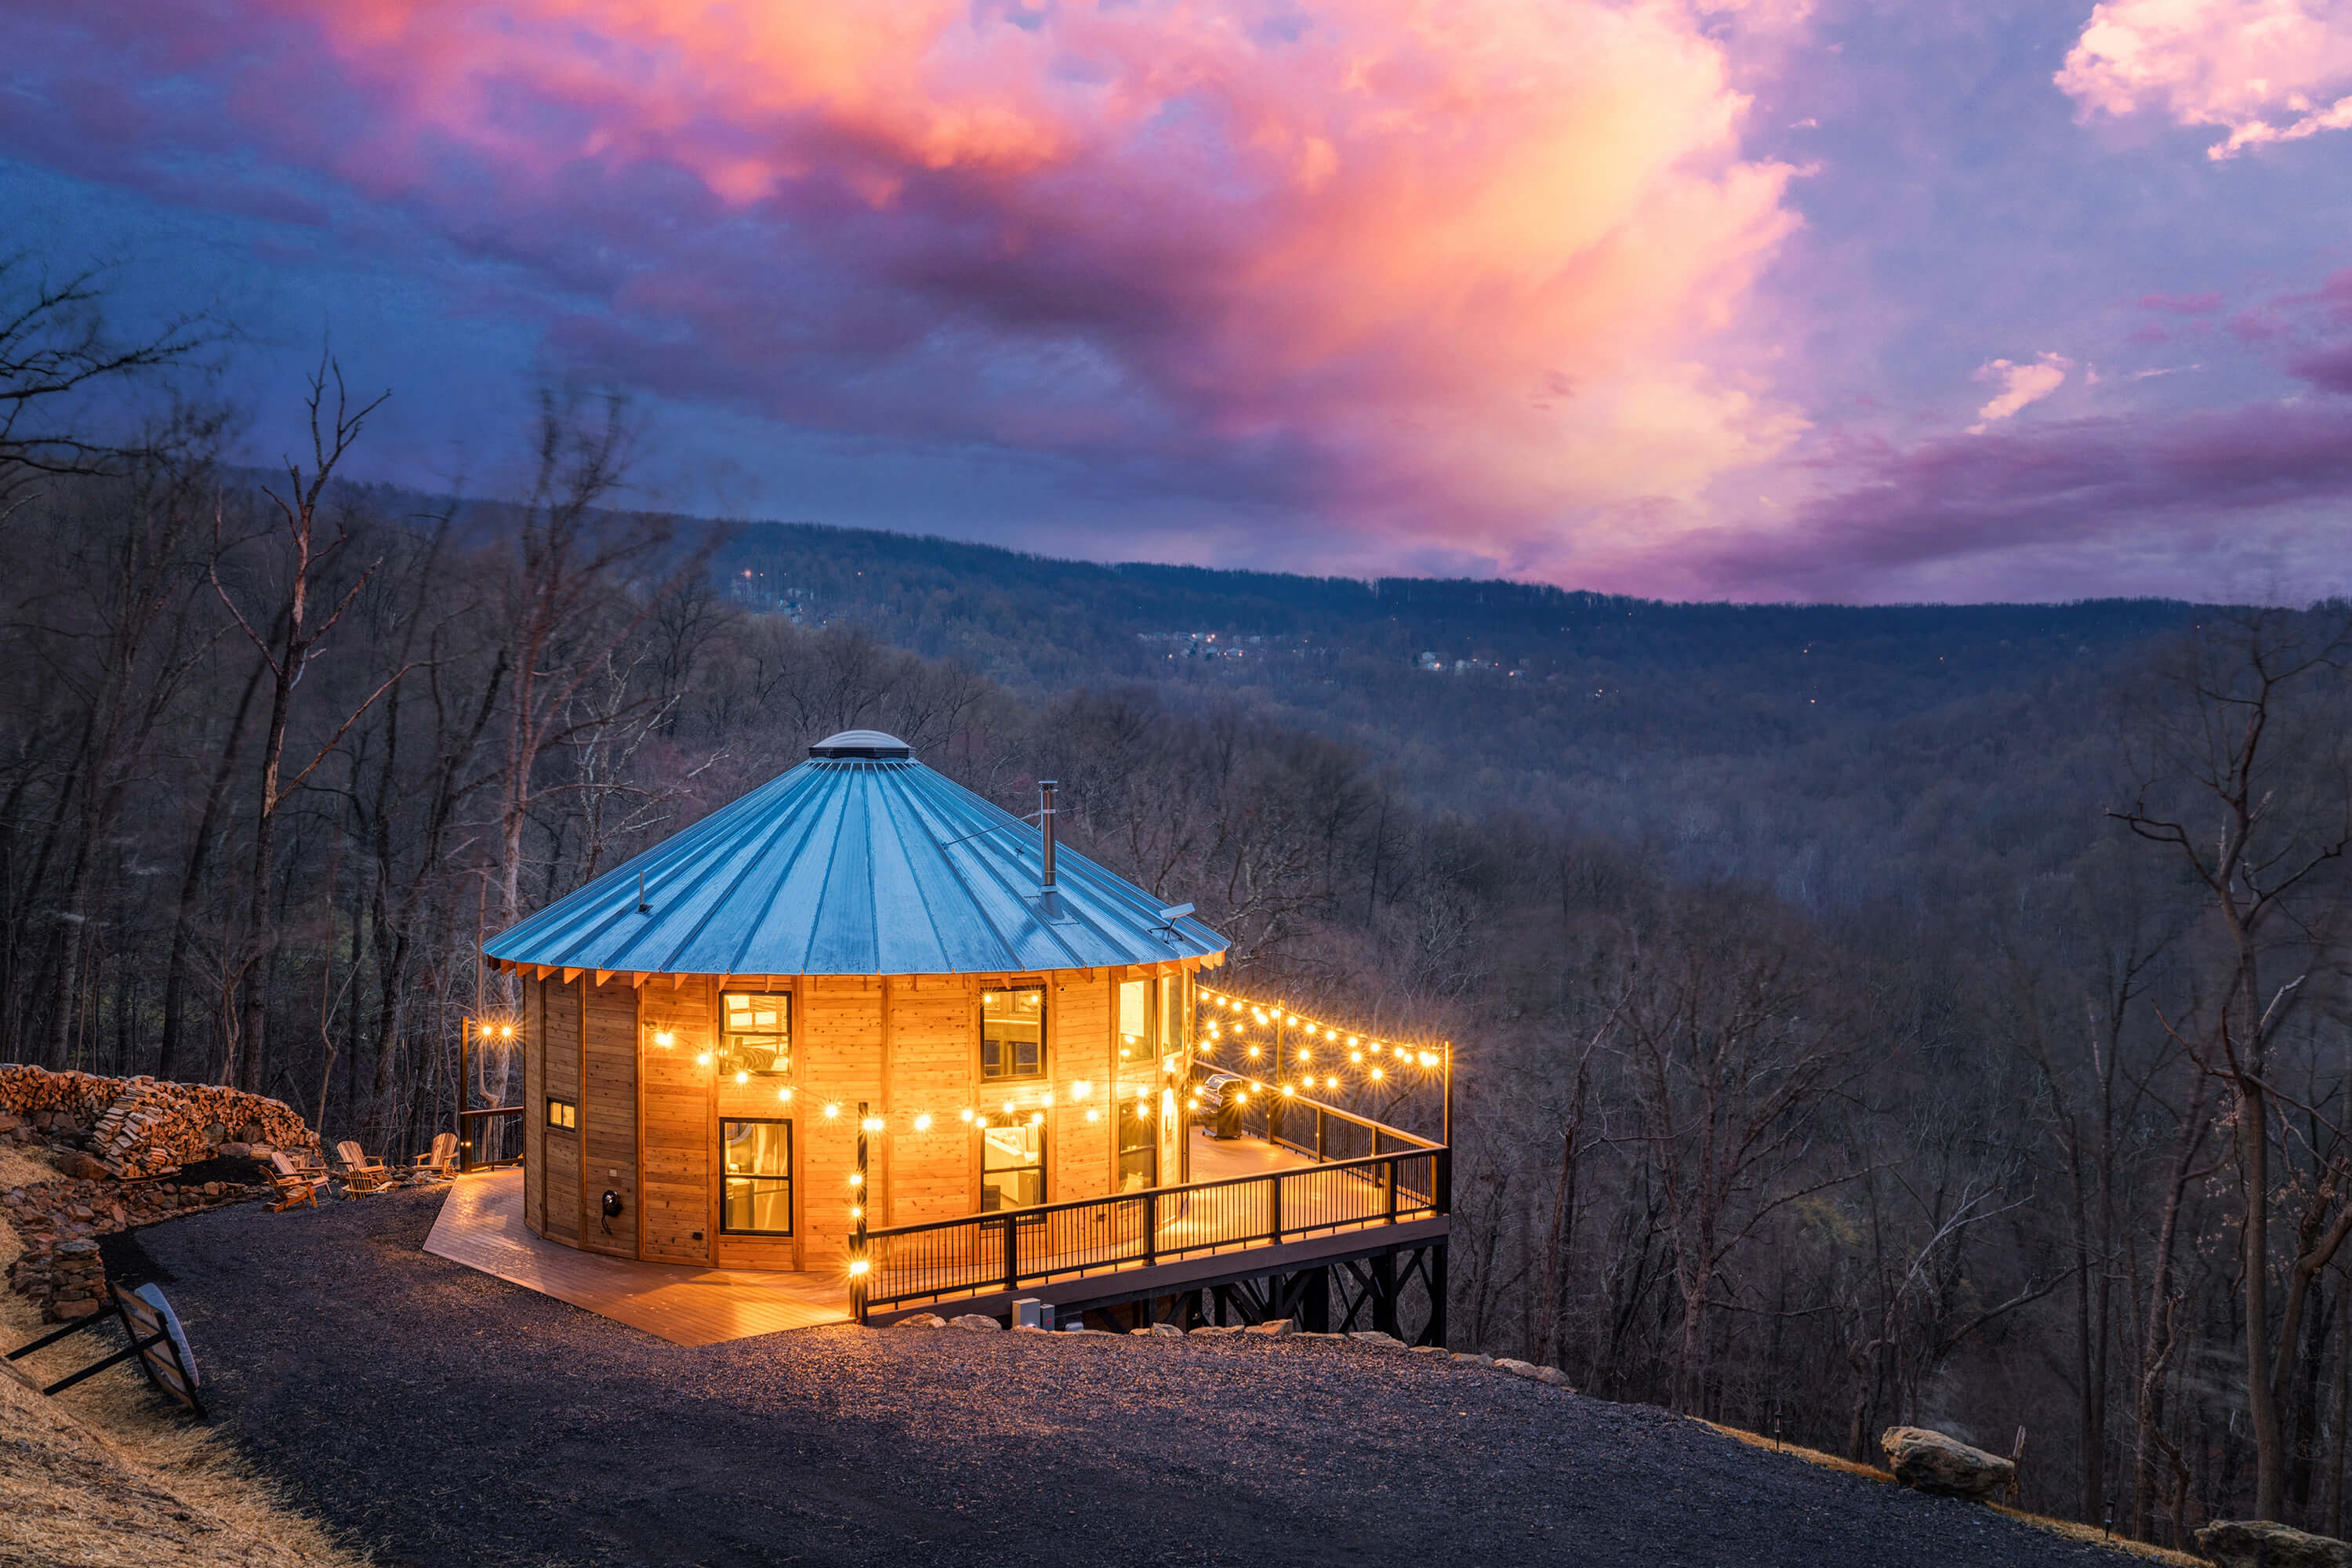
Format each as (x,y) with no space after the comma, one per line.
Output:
(1019,1249)
(490,1138)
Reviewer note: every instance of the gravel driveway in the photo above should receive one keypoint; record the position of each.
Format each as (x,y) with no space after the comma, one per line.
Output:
(449,1418)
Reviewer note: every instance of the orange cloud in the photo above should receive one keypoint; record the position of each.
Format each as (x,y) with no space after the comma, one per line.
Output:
(1468,262)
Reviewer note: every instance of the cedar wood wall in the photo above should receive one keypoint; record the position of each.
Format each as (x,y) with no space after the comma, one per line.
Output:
(650,1116)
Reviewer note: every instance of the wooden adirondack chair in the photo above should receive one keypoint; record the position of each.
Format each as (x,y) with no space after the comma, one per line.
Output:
(443,1161)
(295,1184)
(360,1174)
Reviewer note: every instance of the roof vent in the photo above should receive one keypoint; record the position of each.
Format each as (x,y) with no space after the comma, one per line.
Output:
(862,744)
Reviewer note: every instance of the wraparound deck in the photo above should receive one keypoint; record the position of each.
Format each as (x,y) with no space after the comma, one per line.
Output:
(481,1226)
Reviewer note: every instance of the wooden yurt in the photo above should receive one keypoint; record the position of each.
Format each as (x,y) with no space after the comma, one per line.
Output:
(860,945)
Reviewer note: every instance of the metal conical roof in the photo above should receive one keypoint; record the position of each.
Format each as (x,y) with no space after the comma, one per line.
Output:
(859,862)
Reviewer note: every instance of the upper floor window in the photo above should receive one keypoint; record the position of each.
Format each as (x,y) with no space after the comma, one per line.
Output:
(756,1032)
(1012,1033)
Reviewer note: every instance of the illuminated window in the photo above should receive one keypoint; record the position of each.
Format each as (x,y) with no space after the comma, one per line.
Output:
(1013,1166)
(1012,1033)
(1137,1086)
(757,1196)
(756,1032)
(562,1114)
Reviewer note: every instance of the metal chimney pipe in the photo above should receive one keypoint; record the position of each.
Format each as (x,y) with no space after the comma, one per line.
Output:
(1045,827)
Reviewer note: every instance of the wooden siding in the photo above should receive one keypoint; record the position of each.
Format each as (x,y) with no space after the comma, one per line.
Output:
(561,1069)
(534,1119)
(676,1122)
(933,1051)
(907,1047)
(608,1119)
(1079,1164)
(840,1064)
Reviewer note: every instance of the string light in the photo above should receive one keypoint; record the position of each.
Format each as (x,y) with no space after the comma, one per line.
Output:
(832,1111)
(785,1095)
(741,1077)
(702,1060)
(923,1122)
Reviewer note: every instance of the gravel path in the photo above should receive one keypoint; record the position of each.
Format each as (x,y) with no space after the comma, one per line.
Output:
(449,1418)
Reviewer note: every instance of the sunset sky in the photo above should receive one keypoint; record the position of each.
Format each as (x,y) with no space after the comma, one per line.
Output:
(1864,302)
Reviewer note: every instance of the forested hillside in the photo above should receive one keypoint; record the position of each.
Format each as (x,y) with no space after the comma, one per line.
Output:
(1832,1054)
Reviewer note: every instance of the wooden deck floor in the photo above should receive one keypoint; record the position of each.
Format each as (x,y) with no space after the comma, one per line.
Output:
(481,1226)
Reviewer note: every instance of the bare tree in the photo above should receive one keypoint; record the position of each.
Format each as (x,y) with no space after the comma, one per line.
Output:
(297,635)
(2244,774)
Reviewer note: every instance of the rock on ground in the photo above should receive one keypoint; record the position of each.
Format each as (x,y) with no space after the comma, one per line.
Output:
(2260,1543)
(1934,1463)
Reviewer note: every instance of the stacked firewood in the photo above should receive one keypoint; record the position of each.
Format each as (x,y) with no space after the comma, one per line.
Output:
(141,1127)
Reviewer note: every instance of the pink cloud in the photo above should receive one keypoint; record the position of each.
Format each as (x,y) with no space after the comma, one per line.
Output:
(2183,304)
(2260,70)
(2020,385)
(1480,263)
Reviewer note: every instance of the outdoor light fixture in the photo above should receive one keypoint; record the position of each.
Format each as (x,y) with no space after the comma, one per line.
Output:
(872,1124)
(702,1060)
(1081,1088)
(785,1095)
(832,1111)
(664,1039)
(923,1122)
(967,1113)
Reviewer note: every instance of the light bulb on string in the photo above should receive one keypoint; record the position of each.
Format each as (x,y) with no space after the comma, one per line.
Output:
(923,1122)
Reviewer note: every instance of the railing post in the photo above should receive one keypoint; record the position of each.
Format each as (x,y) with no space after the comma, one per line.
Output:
(1012,1250)
(1276,1207)
(1319,1133)
(1442,1186)
(1150,1225)
(1393,1175)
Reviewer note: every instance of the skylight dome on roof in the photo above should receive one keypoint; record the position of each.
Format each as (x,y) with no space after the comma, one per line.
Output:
(861,744)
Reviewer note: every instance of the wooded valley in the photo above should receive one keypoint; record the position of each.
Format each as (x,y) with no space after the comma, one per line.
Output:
(1928,1014)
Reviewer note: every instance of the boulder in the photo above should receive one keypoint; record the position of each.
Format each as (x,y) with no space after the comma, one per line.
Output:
(1166,1331)
(1932,1462)
(1216,1330)
(1273,1329)
(922,1320)
(2259,1543)
(75,1165)
(1373,1337)
(976,1323)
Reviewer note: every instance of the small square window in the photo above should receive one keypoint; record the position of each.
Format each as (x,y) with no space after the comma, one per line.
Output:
(756,1036)
(563,1114)
(1012,1033)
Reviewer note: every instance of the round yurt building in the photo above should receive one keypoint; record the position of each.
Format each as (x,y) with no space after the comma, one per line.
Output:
(859,955)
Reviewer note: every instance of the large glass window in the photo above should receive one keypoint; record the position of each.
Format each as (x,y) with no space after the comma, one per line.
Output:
(1137,1088)
(758,1199)
(756,1032)
(1012,1033)
(1013,1165)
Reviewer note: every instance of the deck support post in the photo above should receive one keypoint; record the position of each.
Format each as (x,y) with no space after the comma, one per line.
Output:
(1384,1295)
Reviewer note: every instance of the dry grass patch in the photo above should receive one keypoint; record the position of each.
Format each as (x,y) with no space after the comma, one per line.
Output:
(2071,1529)
(18,1169)
(109,1475)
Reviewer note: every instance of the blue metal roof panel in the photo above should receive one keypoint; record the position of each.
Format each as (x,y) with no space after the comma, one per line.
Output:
(852,865)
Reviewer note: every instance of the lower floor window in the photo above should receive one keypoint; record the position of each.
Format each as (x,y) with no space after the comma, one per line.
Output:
(1138,1143)
(562,1114)
(1013,1166)
(758,1199)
